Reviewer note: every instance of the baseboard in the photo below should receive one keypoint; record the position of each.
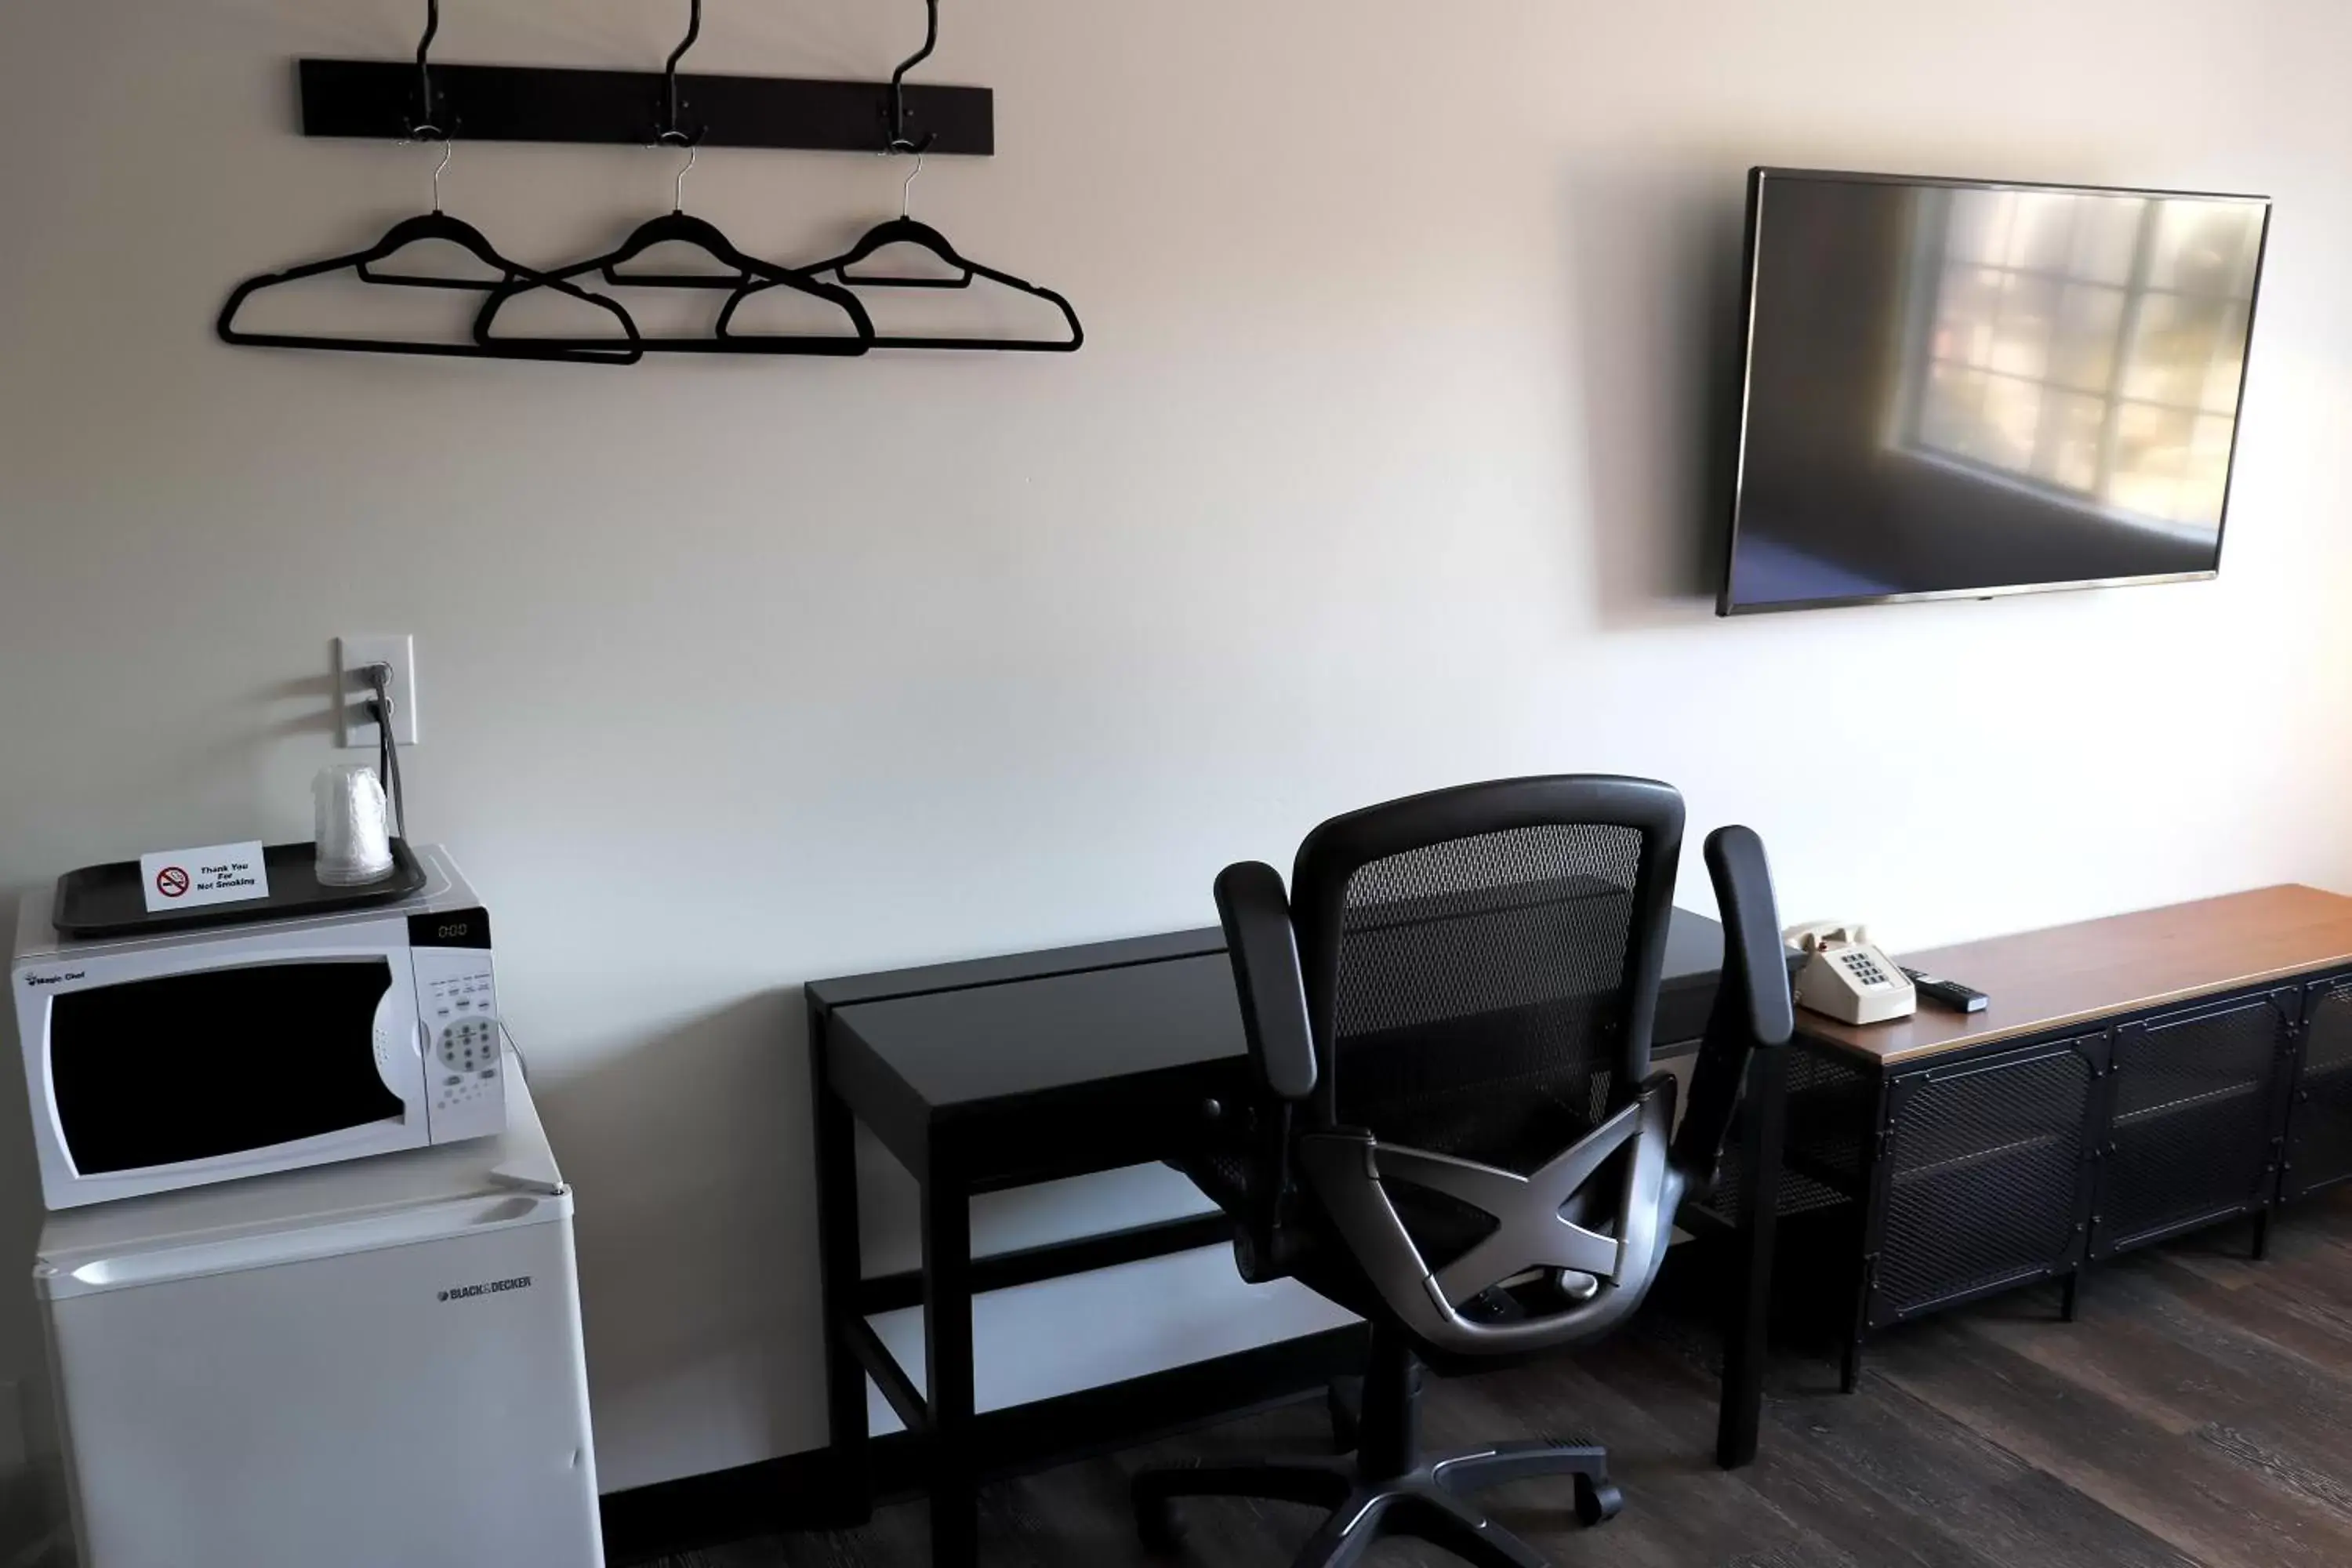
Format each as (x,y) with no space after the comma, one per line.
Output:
(798,1491)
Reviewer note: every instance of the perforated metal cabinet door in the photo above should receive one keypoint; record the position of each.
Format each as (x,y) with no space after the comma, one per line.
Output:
(1983,1177)
(2193,1122)
(2319,1127)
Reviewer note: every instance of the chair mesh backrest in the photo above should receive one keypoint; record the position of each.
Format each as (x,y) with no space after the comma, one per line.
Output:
(1484,989)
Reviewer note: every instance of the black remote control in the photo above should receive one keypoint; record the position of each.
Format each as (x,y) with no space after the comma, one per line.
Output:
(1948,994)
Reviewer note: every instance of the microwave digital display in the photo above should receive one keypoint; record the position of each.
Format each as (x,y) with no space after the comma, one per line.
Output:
(186,1067)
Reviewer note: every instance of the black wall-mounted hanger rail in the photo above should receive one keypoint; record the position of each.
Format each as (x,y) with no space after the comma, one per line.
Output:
(378,98)
(421,100)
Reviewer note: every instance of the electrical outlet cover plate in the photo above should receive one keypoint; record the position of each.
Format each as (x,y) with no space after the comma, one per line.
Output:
(353,723)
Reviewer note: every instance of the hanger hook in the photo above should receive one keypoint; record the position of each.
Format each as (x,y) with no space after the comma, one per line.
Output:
(671,132)
(436,174)
(424,72)
(909,183)
(679,204)
(898,141)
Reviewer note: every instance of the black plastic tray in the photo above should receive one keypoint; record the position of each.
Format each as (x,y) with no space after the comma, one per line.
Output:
(112,900)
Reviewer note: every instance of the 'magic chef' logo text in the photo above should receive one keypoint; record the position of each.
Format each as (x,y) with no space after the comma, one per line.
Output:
(54,979)
(488,1288)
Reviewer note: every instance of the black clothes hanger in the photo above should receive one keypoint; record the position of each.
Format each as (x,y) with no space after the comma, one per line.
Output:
(908,231)
(905,230)
(436,225)
(678,227)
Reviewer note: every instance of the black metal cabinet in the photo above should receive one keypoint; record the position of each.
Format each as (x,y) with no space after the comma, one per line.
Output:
(2023,1162)
(2319,1126)
(2197,1100)
(1948,1163)
(1983,1172)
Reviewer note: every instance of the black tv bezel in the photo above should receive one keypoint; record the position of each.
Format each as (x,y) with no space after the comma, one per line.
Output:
(1757,176)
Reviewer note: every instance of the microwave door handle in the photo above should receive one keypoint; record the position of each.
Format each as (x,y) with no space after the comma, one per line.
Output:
(382,1028)
(421,1038)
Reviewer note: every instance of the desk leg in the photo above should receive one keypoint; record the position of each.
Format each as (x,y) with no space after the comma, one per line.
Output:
(947,1366)
(1750,1308)
(840,1267)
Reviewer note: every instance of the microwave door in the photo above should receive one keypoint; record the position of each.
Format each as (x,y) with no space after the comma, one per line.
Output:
(234,1071)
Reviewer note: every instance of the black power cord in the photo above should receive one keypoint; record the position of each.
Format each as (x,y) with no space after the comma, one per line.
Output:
(387,751)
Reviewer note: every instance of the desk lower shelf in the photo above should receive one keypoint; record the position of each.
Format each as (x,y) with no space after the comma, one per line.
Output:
(1038,1350)
(883,1293)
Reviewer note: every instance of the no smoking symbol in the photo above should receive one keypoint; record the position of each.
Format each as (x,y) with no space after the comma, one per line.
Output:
(170,881)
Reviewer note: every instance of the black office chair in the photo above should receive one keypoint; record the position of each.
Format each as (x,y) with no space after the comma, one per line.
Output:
(1458,1136)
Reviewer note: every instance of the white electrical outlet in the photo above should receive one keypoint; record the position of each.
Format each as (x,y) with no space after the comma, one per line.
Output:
(353,722)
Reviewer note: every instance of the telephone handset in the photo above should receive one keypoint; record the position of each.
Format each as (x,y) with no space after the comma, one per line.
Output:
(1847,978)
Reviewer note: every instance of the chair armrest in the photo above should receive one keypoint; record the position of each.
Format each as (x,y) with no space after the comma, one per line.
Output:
(1752,1010)
(1256,917)
(1255,913)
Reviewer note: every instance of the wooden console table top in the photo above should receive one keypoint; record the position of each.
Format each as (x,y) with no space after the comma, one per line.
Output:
(2048,979)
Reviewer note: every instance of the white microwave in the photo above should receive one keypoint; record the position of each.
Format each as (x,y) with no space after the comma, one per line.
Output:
(173,1060)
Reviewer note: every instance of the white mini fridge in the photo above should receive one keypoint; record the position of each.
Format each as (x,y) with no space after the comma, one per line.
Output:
(374,1365)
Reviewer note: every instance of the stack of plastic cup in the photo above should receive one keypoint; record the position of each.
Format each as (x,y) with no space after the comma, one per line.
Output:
(354,846)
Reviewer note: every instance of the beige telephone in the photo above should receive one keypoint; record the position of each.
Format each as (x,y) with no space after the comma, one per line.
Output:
(1847,978)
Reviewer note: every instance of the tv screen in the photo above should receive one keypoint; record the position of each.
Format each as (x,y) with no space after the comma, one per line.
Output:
(1958,388)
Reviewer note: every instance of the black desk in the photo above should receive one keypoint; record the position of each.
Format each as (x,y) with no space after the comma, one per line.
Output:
(1008,1071)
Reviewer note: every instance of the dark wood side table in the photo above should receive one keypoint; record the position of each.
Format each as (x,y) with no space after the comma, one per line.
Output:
(1009,1071)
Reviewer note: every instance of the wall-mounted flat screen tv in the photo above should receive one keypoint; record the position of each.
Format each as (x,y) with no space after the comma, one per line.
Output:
(1959,388)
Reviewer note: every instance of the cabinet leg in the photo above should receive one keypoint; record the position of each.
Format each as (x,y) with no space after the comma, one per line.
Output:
(1857,1324)
(2070,1296)
(2262,1235)
(1857,1319)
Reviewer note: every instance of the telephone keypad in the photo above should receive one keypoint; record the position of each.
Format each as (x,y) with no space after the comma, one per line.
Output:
(1865,969)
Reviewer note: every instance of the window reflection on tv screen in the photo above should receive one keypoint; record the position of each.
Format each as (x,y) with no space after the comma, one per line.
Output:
(1957,388)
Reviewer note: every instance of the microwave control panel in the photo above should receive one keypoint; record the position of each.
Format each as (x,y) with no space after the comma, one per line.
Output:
(464,1092)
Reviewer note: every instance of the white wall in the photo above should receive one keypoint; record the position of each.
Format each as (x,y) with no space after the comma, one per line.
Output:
(1379,471)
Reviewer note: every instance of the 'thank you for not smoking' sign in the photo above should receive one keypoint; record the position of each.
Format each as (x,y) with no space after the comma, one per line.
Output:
(215,874)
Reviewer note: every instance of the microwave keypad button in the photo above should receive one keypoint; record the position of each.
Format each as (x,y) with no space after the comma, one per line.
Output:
(469,1046)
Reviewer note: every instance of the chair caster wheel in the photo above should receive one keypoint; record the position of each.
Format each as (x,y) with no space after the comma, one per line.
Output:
(1157,1523)
(1597,1502)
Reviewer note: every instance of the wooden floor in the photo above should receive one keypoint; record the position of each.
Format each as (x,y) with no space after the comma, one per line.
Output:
(2200,1412)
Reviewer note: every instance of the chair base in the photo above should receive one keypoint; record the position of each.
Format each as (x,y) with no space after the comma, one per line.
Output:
(1431,1501)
